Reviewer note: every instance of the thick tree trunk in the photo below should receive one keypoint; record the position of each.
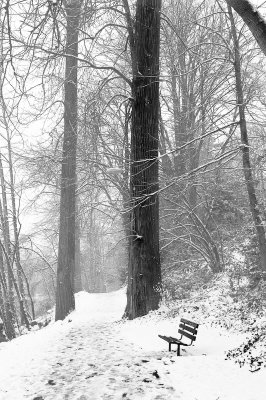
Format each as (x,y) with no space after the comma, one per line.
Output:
(253,202)
(254,20)
(144,275)
(65,301)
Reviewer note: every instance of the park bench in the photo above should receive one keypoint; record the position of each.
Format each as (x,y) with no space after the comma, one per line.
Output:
(187,329)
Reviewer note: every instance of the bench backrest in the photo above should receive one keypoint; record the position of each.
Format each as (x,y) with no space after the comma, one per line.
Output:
(188,328)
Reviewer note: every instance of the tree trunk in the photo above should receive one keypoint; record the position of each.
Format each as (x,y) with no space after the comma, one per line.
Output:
(144,275)
(10,301)
(253,202)
(77,275)
(14,214)
(7,243)
(180,130)
(254,20)
(5,306)
(65,301)
(126,174)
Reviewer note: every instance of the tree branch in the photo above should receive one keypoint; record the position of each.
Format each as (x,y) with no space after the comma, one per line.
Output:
(254,20)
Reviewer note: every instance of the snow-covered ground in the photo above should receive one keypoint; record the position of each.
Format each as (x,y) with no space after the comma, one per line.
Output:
(93,355)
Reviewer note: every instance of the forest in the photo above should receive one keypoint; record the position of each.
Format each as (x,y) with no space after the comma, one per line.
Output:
(132,154)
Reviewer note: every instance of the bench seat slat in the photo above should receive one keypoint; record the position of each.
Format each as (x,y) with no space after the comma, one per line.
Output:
(177,341)
(188,328)
(173,340)
(186,321)
(188,335)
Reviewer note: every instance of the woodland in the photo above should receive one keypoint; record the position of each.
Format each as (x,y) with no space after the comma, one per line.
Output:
(132,152)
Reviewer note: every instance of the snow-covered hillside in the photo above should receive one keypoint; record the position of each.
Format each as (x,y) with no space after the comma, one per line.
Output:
(93,354)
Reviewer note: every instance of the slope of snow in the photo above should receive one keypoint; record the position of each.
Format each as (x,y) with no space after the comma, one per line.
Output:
(93,354)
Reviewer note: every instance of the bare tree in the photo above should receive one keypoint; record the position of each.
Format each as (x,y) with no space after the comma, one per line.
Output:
(253,201)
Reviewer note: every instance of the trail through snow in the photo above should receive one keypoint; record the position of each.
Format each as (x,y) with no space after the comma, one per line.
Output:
(93,355)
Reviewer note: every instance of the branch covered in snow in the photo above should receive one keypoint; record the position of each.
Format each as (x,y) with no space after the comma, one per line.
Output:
(254,20)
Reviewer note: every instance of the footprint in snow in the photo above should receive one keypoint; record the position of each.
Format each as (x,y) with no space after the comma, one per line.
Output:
(147,380)
(91,375)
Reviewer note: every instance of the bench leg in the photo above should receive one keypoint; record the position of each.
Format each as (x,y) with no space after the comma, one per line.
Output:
(178,350)
(170,346)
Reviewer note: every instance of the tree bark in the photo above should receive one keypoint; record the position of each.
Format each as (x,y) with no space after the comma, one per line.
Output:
(144,274)
(254,20)
(14,214)
(253,202)
(7,244)
(65,301)
(126,173)
(77,275)
(5,306)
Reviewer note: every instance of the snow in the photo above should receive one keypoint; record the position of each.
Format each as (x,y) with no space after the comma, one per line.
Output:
(94,354)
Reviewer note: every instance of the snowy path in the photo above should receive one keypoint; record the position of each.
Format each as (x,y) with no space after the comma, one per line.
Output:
(86,359)
(91,355)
